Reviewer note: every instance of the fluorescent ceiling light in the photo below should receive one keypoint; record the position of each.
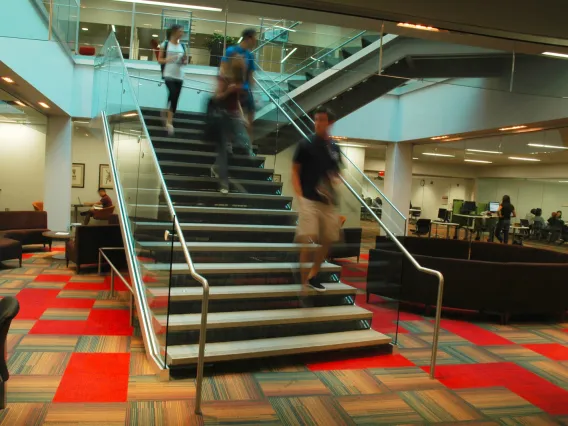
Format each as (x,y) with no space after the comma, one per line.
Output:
(437,138)
(351,145)
(523,159)
(130,114)
(415,158)
(20,103)
(484,151)
(563,181)
(8,80)
(435,154)
(538,145)
(417,26)
(284,28)
(85,29)
(504,129)
(288,55)
(477,161)
(177,5)
(558,55)
(452,139)
(43,104)
(113,28)
(155,35)
(81,122)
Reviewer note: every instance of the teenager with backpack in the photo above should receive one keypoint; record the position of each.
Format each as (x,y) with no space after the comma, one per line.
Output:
(172,58)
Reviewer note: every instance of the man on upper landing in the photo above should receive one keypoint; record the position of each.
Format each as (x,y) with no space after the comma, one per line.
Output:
(244,48)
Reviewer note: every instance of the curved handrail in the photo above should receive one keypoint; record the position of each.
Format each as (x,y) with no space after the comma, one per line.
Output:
(406,253)
(199,278)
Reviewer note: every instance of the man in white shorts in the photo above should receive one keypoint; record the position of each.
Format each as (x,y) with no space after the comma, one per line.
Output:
(314,172)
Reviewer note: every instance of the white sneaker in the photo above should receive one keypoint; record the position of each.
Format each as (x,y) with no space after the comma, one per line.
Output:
(224,190)
(170,129)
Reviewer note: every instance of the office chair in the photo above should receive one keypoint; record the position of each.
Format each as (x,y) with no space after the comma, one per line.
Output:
(422,227)
(9,308)
(415,215)
(103,214)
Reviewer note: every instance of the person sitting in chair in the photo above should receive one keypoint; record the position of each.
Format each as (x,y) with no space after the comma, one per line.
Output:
(102,204)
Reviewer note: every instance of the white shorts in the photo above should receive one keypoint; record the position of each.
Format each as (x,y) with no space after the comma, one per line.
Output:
(317,222)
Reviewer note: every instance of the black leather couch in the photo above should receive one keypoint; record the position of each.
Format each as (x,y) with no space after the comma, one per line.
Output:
(26,227)
(350,246)
(495,278)
(84,248)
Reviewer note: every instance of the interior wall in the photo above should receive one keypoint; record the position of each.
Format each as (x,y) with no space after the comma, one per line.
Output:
(22,154)
(433,193)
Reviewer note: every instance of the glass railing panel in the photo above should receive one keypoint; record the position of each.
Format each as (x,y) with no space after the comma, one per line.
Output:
(65,21)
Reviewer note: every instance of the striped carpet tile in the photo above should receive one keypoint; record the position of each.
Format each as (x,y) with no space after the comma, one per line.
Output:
(38,363)
(291,384)
(440,405)
(22,388)
(311,410)
(24,414)
(231,387)
(498,402)
(405,378)
(351,382)
(149,388)
(87,414)
(389,409)
(103,344)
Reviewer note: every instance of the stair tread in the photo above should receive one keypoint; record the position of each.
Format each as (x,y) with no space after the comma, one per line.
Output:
(222,268)
(229,246)
(208,166)
(214,194)
(247,291)
(264,317)
(176,120)
(218,210)
(177,130)
(206,154)
(211,179)
(220,227)
(259,348)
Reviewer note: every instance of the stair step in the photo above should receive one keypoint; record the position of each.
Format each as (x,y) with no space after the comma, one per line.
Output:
(236,268)
(212,179)
(228,247)
(207,167)
(184,294)
(279,346)
(367,40)
(153,112)
(218,227)
(231,195)
(179,132)
(349,51)
(208,157)
(187,322)
(179,122)
(314,72)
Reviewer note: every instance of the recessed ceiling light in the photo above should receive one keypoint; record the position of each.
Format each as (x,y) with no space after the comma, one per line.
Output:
(155,35)
(20,103)
(504,129)
(176,5)
(130,114)
(478,161)
(452,139)
(483,151)
(439,137)
(417,26)
(415,158)
(351,145)
(523,159)
(538,145)
(43,104)
(84,29)
(558,55)
(8,80)
(435,154)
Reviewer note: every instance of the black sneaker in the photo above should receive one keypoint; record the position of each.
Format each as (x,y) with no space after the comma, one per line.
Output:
(316,285)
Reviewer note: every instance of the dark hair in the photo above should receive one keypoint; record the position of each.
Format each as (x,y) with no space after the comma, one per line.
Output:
(102,189)
(538,212)
(506,199)
(173,29)
(533,211)
(326,111)
(248,33)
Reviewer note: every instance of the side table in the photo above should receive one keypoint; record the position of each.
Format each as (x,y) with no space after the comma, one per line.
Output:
(57,236)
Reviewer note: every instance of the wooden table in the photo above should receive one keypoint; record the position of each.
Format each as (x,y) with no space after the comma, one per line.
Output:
(447,225)
(76,210)
(58,236)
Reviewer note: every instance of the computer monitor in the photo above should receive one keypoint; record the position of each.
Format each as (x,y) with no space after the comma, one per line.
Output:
(442,214)
(468,207)
(493,206)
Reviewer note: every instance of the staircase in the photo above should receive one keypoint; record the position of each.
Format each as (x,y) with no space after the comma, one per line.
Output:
(243,244)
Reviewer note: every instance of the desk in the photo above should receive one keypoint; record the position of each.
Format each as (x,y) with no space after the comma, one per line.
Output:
(469,227)
(519,228)
(62,236)
(447,225)
(76,209)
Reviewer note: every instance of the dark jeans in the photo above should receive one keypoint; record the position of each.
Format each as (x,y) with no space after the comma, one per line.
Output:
(88,215)
(174,91)
(503,226)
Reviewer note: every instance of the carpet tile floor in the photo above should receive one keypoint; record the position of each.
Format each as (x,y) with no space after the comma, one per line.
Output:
(74,359)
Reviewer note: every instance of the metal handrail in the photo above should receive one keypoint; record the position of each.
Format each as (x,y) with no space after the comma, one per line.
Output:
(438,274)
(200,279)
(295,24)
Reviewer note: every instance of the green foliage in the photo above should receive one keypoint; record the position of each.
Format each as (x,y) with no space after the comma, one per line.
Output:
(218,39)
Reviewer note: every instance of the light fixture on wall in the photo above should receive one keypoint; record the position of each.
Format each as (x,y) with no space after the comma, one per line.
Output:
(435,154)
(483,151)
(504,129)
(478,161)
(555,54)
(288,55)
(538,145)
(523,159)
(44,105)
(176,5)
(8,80)
(20,103)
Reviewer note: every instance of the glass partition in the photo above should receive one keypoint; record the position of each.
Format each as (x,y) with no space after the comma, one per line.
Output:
(65,21)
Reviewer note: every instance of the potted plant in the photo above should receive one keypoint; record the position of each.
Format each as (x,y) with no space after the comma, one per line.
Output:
(214,44)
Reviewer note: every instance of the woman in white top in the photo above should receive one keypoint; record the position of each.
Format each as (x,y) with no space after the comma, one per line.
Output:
(172,58)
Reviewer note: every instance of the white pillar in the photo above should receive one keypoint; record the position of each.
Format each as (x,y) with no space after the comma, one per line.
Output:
(350,206)
(57,191)
(398,180)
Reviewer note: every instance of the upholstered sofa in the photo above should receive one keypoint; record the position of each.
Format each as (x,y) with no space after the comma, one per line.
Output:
(84,248)
(492,278)
(350,246)
(26,227)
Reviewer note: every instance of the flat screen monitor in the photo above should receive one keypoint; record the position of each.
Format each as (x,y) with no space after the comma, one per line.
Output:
(469,206)
(493,206)
(442,214)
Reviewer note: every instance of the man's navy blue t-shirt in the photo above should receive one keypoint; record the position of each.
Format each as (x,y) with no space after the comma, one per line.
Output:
(249,61)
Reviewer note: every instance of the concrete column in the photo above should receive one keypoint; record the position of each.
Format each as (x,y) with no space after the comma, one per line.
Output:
(398,183)
(349,205)
(57,190)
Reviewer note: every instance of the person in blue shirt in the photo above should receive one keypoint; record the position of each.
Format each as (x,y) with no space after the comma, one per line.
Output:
(244,48)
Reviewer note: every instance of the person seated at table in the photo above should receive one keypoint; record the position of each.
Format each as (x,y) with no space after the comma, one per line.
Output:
(530,216)
(553,227)
(104,202)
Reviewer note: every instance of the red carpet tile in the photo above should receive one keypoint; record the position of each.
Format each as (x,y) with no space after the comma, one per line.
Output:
(473,333)
(118,284)
(95,378)
(109,322)
(27,255)
(538,391)
(57,249)
(46,278)
(554,351)
(379,361)
(34,301)
(55,327)
(72,303)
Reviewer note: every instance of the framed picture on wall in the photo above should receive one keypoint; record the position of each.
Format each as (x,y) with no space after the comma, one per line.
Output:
(105,177)
(78,175)
(277,178)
